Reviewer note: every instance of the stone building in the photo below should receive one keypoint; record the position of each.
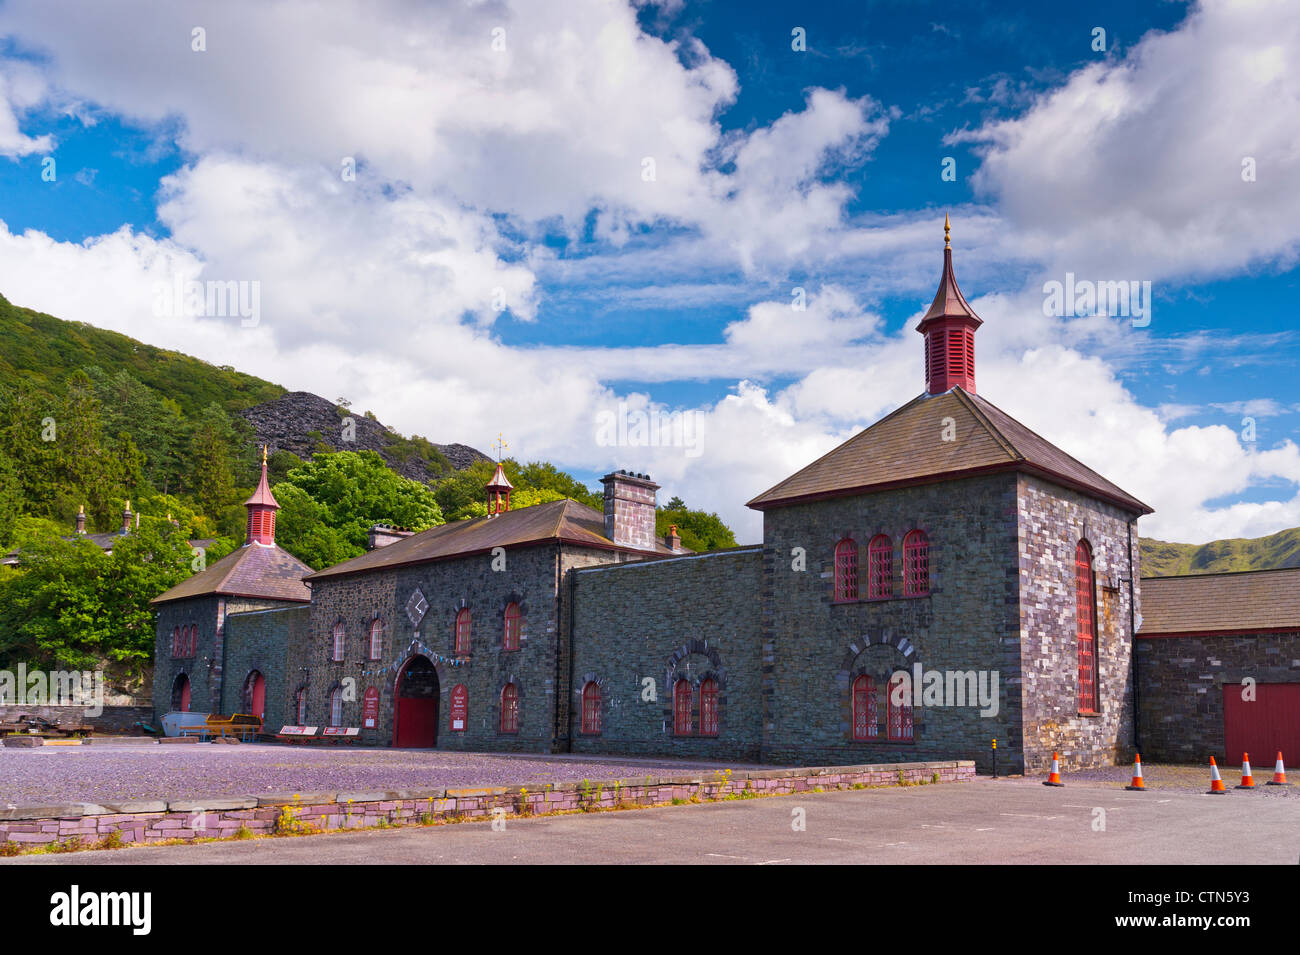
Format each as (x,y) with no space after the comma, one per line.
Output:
(944,578)
(1218,666)
(227,636)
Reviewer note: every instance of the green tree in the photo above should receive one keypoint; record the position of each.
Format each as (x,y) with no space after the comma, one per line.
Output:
(328,505)
(700,530)
(212,455)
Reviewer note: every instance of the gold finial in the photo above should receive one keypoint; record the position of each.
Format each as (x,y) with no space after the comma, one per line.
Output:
(128,504)
(81,510)
(946,228)
(263,455)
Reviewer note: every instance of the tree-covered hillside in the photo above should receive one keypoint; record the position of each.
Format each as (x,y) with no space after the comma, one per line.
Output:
(1163,559)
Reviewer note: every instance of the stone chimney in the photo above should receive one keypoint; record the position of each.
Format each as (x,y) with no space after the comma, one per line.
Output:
(382,536)
(630,509)
(673,540)
(127,517)
(81,519)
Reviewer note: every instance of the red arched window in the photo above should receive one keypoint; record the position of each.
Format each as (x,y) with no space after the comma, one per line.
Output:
(509,708)
(880,567)
(462,632)
(339,641)
(682,708)
(1086,613)
(900,710)
(336,707)
(176,641)
(846,569)
(300,705)
(192,647)
(916,564)
(459,717)
(376,638)
(865,719)
(591,708)
(510,640)
(709,707)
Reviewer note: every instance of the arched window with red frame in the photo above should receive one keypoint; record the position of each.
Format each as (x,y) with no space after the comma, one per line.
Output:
(1086,614)
(846,569)
(300,705)
(510,708)
(176,641)
(865,715)
(682,725)
(190,645)
(899,710)
(513,624)
(376,638)
(880,567)
(709,707)
(340,642)
(591,709)
(462,632)
(916,564)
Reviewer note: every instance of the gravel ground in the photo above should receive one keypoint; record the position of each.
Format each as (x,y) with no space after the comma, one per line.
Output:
(1190,779)
(99,772)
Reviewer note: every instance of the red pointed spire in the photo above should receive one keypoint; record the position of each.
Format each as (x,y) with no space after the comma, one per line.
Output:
(261,510)
(949,330)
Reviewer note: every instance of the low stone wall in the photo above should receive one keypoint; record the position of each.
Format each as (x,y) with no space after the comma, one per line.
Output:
(113,719)
(143,822)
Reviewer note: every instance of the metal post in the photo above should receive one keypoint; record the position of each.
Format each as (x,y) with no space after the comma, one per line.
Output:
(995,757)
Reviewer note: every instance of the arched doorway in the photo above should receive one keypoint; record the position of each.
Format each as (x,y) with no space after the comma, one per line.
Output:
(254,696)
(415,716)
(181,693)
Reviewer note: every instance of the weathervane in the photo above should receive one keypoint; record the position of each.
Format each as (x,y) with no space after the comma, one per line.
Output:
(500,445)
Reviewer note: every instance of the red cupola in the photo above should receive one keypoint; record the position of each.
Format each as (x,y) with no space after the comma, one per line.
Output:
(499,489)
(949,330)
(261,510)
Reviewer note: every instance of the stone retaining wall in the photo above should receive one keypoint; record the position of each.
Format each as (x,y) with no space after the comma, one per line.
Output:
(143,822)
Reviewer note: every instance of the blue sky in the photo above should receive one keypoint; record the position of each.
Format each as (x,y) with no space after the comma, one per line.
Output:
(500,154)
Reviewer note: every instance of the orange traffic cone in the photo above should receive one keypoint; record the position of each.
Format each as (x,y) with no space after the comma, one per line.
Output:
(1279,772)
(1247,780)
(1054,779)
(1216,781)
(1137,774)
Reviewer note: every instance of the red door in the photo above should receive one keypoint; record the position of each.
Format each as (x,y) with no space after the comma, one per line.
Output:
(255,695)
(1262,726)
(181,694)
(415,722)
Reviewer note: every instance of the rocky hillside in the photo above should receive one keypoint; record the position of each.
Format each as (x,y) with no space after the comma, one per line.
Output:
(1163,559)
(303,423)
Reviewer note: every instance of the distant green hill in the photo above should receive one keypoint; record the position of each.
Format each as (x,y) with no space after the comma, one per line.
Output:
(47,350)
(1163,559)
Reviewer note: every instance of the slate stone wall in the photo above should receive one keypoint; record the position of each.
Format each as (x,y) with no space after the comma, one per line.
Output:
(204,669)
(264,640)
(1180,690)
(530,577)
(815,647)
(639,628)
(1052,521)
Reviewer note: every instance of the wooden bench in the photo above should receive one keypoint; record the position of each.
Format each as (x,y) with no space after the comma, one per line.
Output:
(341,734)
(296,734)
(240,726)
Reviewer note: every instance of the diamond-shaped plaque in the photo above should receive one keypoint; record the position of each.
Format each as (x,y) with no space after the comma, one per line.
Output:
(415,608)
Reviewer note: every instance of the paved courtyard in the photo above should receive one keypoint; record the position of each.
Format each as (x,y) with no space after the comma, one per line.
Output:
(99,772)
(985,821)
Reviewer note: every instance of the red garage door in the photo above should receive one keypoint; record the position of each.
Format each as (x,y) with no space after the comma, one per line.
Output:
(1262,726)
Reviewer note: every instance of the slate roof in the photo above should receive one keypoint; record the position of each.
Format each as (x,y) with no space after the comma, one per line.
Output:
(906,447)
(566,521)
(254,570)
(1252,600)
